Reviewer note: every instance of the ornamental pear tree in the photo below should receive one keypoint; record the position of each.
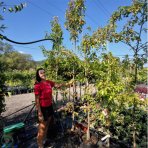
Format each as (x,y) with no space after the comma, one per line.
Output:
(57,36)
(75,18)
(135,17)
(65,60)
(75,22)
(88,54)
(133,30)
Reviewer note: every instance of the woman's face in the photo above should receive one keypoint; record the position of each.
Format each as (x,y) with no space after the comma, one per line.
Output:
(42,74)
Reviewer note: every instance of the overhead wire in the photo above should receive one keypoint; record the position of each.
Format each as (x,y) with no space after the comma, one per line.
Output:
(55,6)
(47,12)
(51,14)
(103,11)
(94,21)
(44,10)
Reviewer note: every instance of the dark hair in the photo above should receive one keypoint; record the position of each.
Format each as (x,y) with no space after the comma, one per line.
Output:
(38,79)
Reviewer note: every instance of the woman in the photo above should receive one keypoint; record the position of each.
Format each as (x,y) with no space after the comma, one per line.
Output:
(43,98)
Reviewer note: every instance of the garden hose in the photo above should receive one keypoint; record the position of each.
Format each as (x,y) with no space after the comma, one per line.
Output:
(24,43)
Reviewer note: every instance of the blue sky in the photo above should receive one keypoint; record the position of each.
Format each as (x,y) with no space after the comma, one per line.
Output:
(34,21)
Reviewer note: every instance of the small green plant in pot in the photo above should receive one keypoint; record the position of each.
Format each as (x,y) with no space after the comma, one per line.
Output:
(70,112)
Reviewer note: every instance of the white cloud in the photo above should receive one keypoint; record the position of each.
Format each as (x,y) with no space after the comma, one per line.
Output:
(21,52)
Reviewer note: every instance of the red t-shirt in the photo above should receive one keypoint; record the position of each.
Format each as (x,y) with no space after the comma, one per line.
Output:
(44,90)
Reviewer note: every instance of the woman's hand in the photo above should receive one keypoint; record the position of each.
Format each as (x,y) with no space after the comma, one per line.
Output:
(64,84)
(70,82)
(40,117)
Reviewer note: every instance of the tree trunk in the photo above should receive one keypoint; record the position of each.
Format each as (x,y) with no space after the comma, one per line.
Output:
(88,130)
(80,89)
(135,83)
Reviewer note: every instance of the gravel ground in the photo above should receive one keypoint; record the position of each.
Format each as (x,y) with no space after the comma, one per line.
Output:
(16,102)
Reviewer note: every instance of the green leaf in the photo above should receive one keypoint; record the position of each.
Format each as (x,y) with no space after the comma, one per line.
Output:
(11,9)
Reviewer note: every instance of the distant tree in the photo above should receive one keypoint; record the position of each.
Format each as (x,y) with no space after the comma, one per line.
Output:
(18,61)
(14,59)
(19,67)
(5,48)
